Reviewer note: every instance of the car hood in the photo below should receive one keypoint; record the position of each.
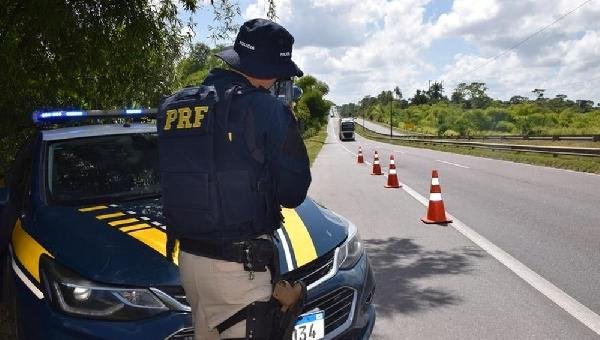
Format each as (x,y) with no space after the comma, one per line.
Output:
(125,243)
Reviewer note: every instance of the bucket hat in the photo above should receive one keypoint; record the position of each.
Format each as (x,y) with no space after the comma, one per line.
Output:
(262,49)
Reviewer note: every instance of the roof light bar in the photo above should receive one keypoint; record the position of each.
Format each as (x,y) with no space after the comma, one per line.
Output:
(133,111)
(54,117)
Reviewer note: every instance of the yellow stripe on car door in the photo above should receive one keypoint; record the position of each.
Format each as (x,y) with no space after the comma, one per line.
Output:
(27,250)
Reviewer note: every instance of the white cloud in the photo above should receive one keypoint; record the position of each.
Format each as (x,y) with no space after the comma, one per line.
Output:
(358,48)
(363,47)
(560,59)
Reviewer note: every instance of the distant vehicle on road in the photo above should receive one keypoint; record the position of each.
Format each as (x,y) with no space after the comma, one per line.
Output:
(347,129)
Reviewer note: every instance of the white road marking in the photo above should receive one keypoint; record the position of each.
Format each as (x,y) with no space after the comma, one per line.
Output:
(575,308)
(455,164)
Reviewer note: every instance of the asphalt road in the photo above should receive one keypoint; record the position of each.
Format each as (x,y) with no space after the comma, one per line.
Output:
(433,282)
(380,128)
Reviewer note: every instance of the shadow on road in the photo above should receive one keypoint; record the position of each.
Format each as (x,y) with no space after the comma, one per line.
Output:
(398,263)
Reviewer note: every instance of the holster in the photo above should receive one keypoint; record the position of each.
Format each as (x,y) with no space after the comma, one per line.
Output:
(291,299)
(274,319)
(258,255)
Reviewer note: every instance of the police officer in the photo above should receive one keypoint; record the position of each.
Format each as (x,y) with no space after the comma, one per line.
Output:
(261,133)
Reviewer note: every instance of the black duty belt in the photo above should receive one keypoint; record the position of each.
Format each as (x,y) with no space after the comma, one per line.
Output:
(256,254)
(231,252)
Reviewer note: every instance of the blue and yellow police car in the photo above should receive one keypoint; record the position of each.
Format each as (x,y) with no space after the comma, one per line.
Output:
(86,258)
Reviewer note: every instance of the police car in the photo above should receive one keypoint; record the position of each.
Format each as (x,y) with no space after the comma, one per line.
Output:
(87,252)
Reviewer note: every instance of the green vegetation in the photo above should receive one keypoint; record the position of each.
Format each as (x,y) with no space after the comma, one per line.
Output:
(90,54)
(311,110)
(470,111)
(586,164)
(315,143)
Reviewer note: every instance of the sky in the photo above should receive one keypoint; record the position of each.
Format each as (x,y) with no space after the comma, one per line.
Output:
(361,47)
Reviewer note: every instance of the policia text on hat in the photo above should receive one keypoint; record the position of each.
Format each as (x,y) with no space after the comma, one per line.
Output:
(230,157)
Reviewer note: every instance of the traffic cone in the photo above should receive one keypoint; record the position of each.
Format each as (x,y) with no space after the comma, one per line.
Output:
(360,158)
(436,214)
(392,180)
(376,166)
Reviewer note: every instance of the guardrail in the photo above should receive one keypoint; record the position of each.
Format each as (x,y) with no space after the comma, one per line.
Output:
(554,150)
(584,137)
(592,138)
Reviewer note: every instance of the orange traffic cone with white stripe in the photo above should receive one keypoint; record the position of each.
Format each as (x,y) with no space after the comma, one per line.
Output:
(436,214)
(360,158)
(376,166)
(392,179)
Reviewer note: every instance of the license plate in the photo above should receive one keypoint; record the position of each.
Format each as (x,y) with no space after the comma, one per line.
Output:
(310,326)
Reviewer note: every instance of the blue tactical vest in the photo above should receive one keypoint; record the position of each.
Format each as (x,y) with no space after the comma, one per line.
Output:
(215,182)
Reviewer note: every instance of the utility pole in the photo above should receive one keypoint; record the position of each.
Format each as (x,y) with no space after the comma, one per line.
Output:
(391,103)
(363,112)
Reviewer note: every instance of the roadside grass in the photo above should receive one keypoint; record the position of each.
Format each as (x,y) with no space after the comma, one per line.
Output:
(315,143)
(577,163)
(565,143)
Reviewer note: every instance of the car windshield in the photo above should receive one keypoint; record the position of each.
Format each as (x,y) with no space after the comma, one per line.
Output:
(348,126)
(116,167)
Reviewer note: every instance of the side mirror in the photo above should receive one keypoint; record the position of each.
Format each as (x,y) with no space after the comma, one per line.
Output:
(4,196)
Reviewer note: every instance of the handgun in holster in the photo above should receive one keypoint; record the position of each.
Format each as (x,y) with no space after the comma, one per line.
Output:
(274,319)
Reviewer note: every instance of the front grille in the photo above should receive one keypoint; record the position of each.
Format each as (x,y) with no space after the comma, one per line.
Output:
(313,271)
(337,306)
(182,334)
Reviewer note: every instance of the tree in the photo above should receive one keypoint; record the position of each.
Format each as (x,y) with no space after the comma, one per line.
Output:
(477,96)
(419,98)
(92,54)
(459,94)
(435,92)
(585,104)
(539,93)
(366,102)
(312,107)
(398,93)
(199,55)
(517,99)
(384,97)
(561,97)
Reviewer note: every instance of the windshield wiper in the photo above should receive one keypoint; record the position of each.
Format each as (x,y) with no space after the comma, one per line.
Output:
(135,197)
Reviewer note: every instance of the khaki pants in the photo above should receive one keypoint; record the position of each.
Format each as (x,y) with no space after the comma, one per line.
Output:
(216,290)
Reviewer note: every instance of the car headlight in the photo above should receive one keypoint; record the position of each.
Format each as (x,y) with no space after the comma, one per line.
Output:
(72,294)
(351,251)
